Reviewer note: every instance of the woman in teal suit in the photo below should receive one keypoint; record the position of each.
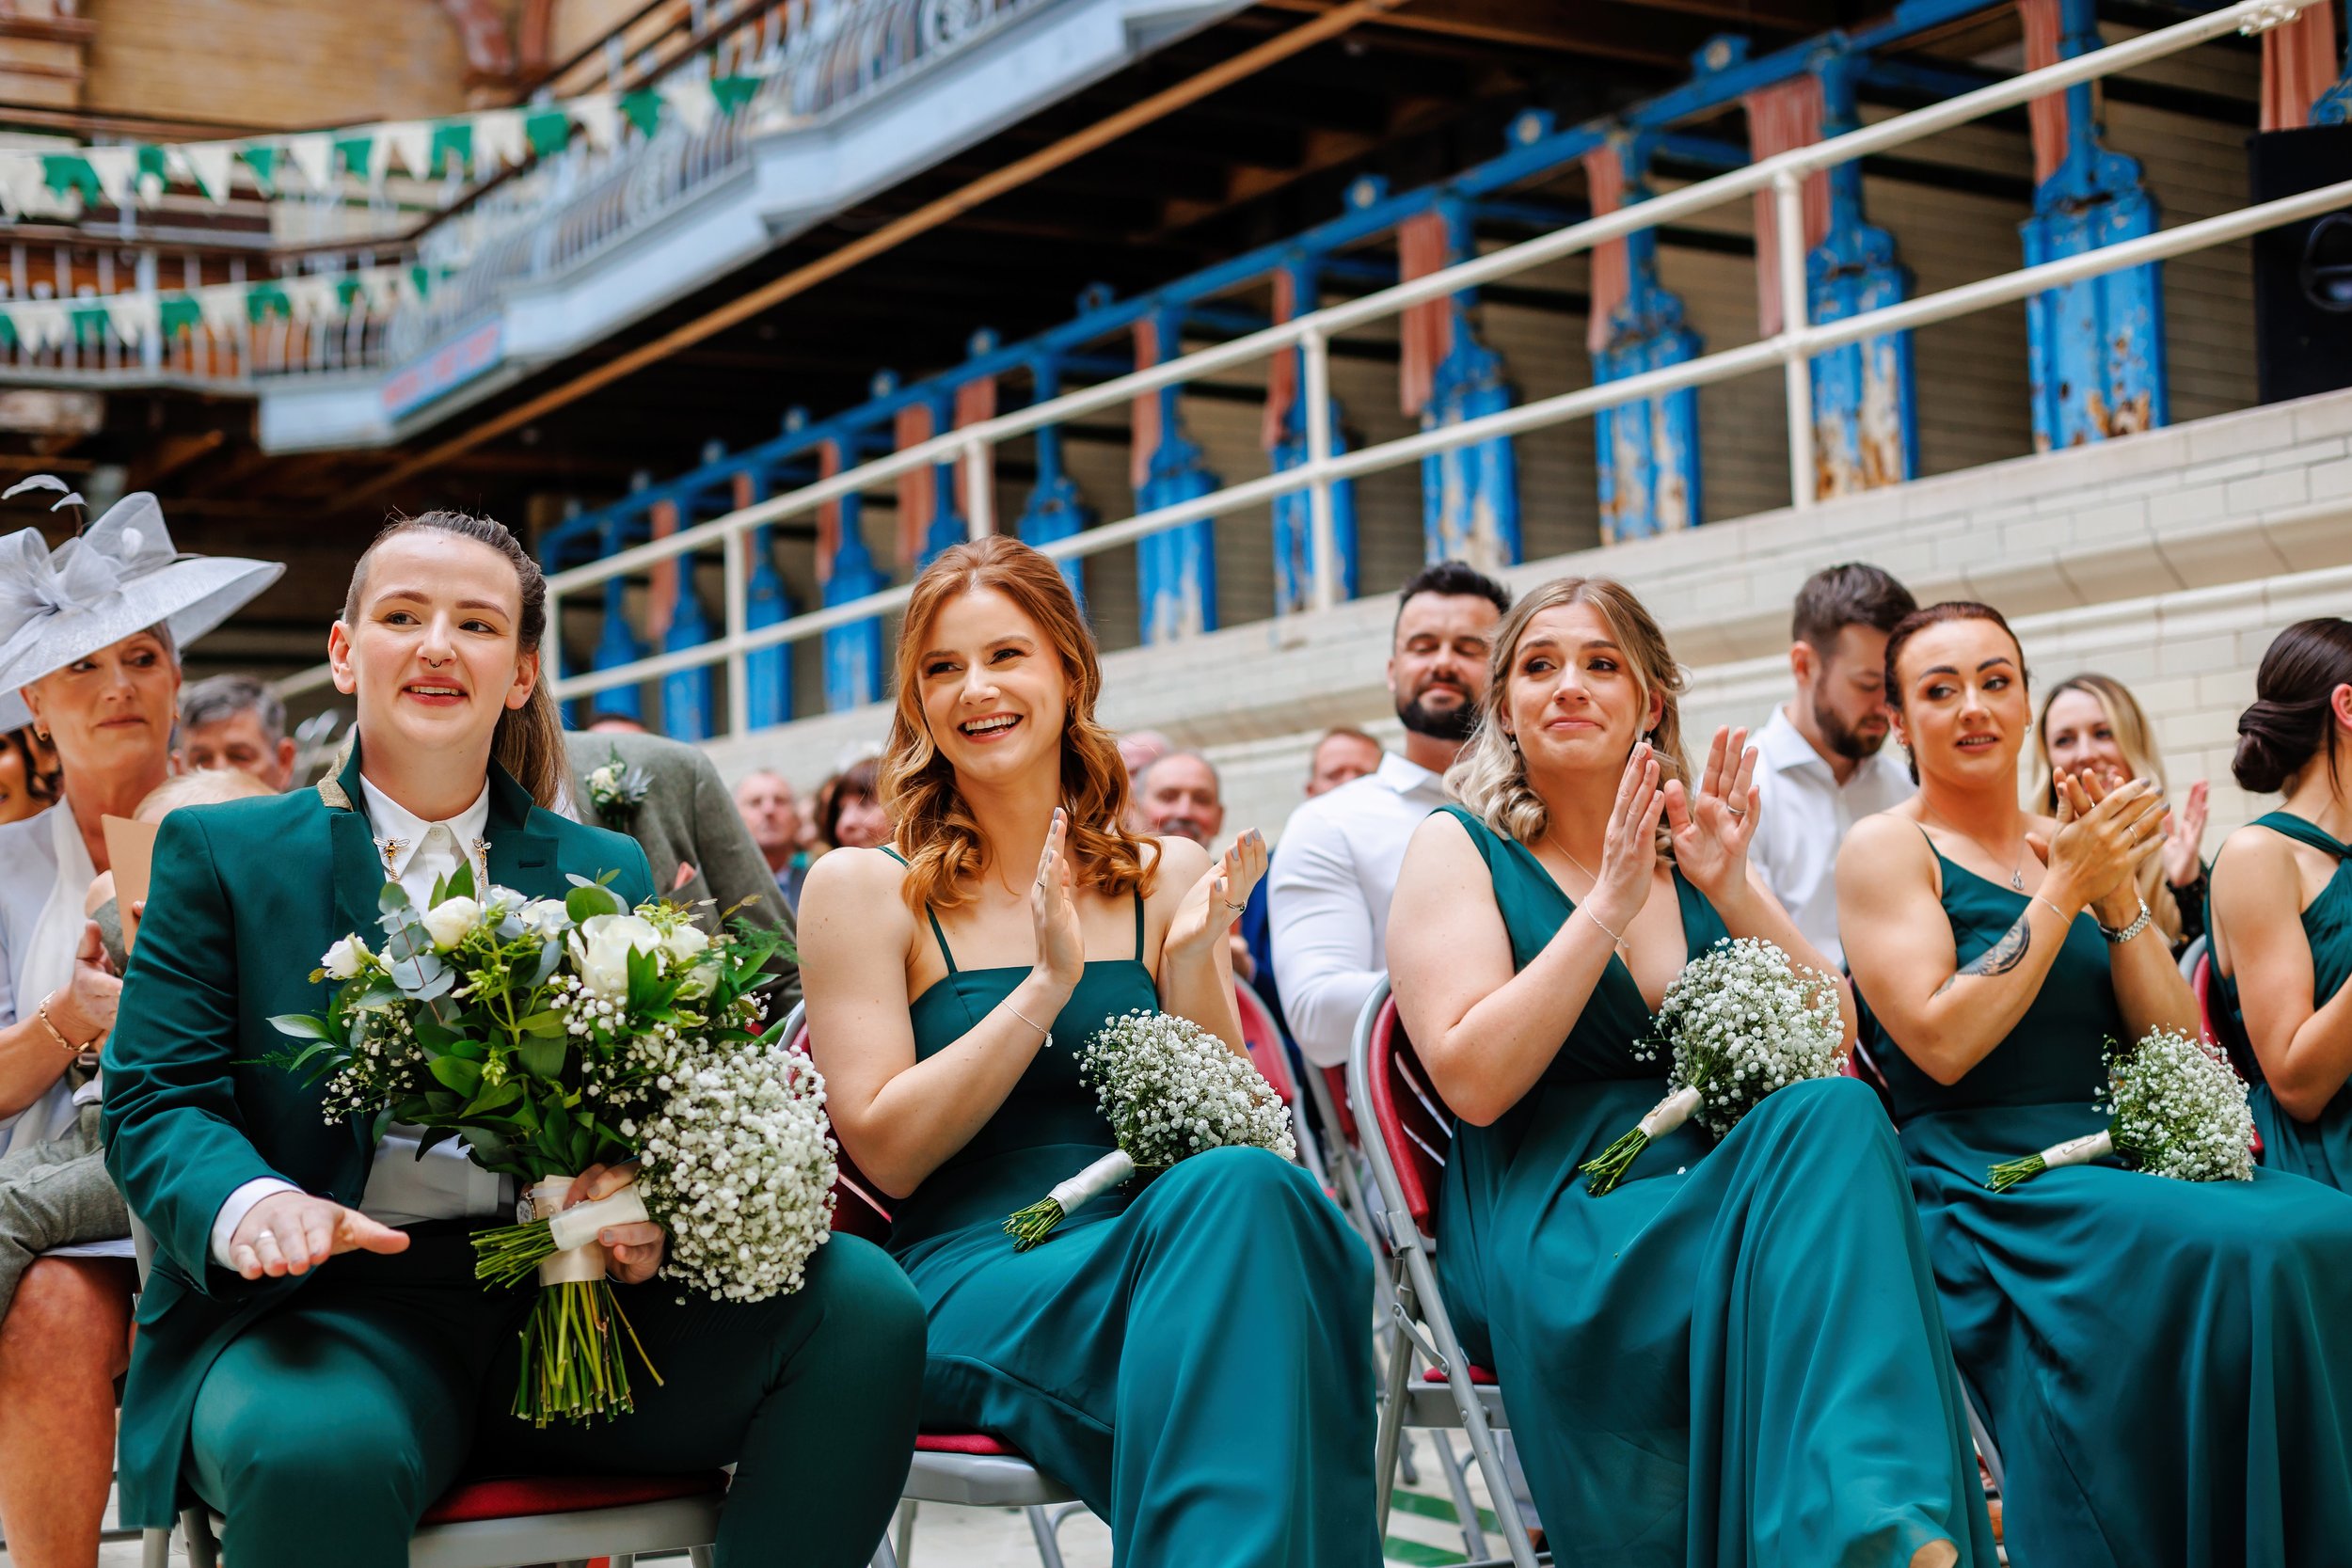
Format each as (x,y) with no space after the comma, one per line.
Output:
(314,1358)
(1735,1358)
(2282,904)
(1192,1359)
(2162,1364)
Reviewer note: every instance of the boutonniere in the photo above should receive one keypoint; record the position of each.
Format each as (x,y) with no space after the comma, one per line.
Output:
(616,790)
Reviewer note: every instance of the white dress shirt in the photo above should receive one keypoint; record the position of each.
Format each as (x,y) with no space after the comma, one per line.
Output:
(403,1189)
(1329,889)
(1804,817)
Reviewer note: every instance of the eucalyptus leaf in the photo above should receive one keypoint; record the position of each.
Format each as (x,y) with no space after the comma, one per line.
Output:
(302,1027)
(392,896)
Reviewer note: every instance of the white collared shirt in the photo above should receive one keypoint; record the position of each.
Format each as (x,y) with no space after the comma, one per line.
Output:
(1804,816)
(1327,896)
(403,1189)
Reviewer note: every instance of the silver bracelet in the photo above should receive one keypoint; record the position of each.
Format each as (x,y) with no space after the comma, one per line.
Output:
(2117,939)
(1030,1021)
(1604,930)
(2052,909)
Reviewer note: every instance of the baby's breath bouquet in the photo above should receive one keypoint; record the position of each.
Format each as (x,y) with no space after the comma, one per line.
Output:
(1170,1089)
(545,1034)
(2179,1111)
(1743,1021)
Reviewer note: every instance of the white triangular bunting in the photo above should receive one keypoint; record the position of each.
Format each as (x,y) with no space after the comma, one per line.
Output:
(412,144)
(689,98)
(312,296)
(207,163)
(315,156)
(18,172)
(381,285)
(600,116)
(223,306)
(134,316)
(117,172)
(41,324)
(497,141)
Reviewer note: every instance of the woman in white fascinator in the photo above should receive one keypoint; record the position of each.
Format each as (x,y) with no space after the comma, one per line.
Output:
(89,640)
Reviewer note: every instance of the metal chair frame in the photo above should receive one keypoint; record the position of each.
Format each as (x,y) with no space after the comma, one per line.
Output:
(1422,1323)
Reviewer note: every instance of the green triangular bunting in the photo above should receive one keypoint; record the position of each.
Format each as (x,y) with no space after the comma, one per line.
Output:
(548,131)
(151,162)
(179,313)
(732,92)
(453,142)
(355,153)
(261,158)
(68,171)
(642,108)
(264,300)
(90,325)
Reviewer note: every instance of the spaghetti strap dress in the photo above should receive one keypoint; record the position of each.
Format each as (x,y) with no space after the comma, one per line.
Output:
(1192,1359)
(2162,1364)
(2321,1150)
(1734,1360)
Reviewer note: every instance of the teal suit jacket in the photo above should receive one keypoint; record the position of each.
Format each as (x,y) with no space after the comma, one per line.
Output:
(245,897)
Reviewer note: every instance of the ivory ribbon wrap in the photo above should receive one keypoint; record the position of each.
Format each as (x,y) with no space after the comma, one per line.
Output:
(2079,1152)
(580,1258)
(1093,1182)
(1670,1113)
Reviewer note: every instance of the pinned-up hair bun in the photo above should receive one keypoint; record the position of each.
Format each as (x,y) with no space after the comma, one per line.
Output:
(2290,721)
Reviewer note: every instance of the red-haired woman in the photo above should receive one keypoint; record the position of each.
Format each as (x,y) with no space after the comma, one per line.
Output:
(951,979)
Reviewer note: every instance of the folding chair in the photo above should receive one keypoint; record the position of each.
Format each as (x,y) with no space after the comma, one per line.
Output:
(967,1469)
(1271,1056)
(2197,964)
(513,1522)
(1411,1133)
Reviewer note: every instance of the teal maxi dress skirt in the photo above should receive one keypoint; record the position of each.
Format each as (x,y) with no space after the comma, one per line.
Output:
(1734,1360)
(2320,1149)
(2165,1366)
(1194,1359)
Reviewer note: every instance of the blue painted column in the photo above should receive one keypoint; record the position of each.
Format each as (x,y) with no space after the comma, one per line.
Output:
(853,653)
(1055,510)
(1648,451)
(1469,496)
(1865,413)
(768,673)
(1176,568)
(1294,513)
(616,645)
(686,694)
(2096,347)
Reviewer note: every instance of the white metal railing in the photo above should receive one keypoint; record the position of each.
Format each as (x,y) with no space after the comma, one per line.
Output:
(1793,348)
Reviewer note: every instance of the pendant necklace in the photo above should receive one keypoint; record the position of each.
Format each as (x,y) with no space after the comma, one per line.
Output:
(2016,872)
(1555,843)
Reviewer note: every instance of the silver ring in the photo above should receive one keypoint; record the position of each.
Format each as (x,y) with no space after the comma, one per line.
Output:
(1735,811)
(265,1234)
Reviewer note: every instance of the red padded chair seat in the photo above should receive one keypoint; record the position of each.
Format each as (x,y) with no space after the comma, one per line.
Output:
(1477,1374)
(530,1496)
(964,1442)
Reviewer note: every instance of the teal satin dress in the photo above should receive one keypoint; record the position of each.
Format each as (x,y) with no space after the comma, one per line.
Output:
(1194,1359)
(2163,1364)
(2320,1149)
(1735,1358)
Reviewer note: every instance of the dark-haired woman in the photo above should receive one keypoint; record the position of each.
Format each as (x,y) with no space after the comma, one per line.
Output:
(2163,1364)
(315,1357)
(25,788)
(2282,904)
(1192,1359)
(851,816)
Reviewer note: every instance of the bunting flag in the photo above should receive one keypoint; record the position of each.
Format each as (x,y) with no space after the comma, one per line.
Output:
(35,183)
(1422,246)
(1784,115)
(39,325)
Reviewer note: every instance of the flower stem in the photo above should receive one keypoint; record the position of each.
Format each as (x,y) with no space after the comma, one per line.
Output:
(572,1361)
(1032,1225)
(509,1254)
(1606,1169)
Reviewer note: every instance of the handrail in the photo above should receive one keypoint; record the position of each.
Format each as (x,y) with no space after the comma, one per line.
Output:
(1311,332)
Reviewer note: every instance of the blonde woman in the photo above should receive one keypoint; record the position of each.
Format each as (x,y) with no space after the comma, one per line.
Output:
(1734,1358)
(2093,724)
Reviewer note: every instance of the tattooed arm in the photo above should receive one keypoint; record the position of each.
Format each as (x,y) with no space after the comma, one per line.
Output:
(1947,1015)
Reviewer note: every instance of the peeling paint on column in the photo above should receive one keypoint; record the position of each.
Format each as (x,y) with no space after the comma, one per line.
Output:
(1470,494)
(1649,450)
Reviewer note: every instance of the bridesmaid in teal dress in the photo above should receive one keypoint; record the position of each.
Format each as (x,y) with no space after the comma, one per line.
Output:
(2162,1364)
(2282,905)
(1192,1359)
(1735,1358)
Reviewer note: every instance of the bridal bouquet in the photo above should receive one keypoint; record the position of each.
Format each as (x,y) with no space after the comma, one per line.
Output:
(1170,1089)
(2179,1111)
(1743,1022)
(551,1035)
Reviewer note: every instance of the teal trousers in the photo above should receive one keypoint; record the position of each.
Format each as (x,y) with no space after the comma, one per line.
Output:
(326,1430)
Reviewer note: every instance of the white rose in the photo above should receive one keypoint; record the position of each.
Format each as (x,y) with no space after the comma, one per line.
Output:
(606,778)
(601,948)
(448,921)
(547,916)
(344,959)
(684,943)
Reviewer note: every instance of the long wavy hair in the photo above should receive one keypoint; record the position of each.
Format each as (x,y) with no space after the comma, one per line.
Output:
(528,741)
(2136,739)
(932,826)
(1490,776)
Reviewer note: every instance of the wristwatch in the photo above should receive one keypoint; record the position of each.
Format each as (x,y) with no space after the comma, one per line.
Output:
(2118,938)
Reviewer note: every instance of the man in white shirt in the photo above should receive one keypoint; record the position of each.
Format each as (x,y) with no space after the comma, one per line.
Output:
(1823,762)
(1335,867)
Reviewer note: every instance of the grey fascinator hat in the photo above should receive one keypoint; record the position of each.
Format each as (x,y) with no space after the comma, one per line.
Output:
(119,577)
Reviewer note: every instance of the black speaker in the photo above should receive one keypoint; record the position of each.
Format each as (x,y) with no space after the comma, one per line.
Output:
(2304,271)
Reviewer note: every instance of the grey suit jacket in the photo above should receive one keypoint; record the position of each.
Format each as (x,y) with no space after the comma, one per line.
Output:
(690,818)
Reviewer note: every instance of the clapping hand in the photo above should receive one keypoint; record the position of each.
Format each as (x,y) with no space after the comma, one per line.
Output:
(1061,944)
(1710,831)
(2184,845)
(636,1249)
(2103,835)
(1215,901)
(1629,852)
